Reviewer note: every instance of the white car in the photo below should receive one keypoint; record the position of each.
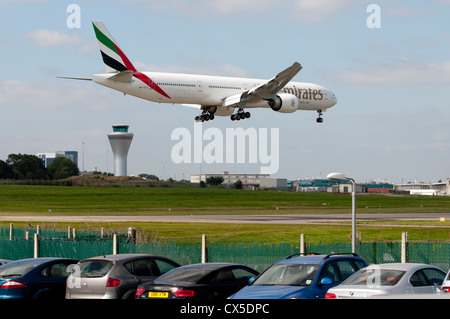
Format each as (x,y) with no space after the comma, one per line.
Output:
(446,283)
(390,279)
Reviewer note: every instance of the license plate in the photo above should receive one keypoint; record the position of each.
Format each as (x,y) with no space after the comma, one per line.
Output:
(154,294)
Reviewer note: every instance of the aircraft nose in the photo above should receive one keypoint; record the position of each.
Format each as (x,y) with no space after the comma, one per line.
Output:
(333,98)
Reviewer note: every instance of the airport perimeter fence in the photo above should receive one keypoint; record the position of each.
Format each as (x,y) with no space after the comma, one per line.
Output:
(51,243)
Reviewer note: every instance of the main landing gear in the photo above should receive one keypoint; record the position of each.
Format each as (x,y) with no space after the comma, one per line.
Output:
(205,116)
(240,115)
(319,119)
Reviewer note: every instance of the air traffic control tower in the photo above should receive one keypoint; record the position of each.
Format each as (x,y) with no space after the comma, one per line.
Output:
(120,141)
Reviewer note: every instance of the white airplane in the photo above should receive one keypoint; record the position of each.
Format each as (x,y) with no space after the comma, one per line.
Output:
(213,95)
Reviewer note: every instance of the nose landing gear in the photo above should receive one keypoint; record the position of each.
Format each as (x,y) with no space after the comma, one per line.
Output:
(240,115)
(319,119)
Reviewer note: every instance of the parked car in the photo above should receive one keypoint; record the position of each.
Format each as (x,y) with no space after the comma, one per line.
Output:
(302,277)
(446,284)
(115,276)
(35,278)
(211,281)
(4,261)
(390,279)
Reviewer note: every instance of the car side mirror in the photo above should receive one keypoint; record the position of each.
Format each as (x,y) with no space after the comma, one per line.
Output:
(326,281)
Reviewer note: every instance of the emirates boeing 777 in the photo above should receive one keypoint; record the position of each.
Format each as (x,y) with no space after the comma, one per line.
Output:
(213,95)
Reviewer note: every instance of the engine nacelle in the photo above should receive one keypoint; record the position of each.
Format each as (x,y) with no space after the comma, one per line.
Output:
(284,103)
(220,111)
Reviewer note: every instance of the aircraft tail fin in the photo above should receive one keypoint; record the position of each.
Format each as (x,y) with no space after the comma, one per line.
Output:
(117,62)
(113,57)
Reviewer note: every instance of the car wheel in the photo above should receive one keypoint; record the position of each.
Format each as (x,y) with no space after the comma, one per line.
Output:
(129,294)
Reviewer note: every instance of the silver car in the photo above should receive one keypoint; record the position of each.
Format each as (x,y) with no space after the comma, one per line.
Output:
(390,279)
(114,276)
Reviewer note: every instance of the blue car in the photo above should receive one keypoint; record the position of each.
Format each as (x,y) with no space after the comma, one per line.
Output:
(35,278)
(302,277)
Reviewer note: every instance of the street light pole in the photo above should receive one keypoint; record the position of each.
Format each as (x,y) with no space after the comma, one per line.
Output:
(340,177)
(83,157)
(353,214)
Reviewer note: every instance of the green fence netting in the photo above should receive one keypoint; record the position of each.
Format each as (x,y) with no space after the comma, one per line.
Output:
(259,256)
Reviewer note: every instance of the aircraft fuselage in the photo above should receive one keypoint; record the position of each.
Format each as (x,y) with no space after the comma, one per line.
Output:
(212,90)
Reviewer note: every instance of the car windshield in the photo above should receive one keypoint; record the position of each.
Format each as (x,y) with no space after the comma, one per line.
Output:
(287,275)
(94,268)
(375,277)
(15,271)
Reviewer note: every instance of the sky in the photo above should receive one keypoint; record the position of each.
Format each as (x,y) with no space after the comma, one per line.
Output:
(389,68)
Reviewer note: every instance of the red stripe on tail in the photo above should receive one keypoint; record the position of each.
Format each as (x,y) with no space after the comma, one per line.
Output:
(141,76)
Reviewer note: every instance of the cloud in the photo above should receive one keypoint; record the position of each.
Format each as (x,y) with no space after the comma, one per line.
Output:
(442,136)
(50,38)
(413,9)
(24,1)
(211,9)
(443,2)
(417,147)
(399,10)
(300,10)
(204,67)
(317,11)
(206,8)
(401,72)
(50,96)
(238,6)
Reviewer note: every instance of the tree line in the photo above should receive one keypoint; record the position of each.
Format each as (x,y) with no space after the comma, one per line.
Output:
(24,166)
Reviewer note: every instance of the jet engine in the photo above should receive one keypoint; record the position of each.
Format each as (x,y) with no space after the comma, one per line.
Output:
(284,103)
(220,111)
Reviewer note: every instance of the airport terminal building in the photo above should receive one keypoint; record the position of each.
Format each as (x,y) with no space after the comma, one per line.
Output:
(47,158)
(264,181)
(249,181)
(439,188)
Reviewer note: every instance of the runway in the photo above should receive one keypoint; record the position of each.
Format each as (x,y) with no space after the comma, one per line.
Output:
(302,219)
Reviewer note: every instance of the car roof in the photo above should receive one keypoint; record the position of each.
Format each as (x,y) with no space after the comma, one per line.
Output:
(400,266)
(317,259)
(36,261)
(210,265)
(121,257)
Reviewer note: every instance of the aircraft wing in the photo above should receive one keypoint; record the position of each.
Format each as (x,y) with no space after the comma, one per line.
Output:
(264,91)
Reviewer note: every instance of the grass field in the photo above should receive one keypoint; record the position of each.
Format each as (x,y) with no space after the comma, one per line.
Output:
(158,200)
(60,201)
